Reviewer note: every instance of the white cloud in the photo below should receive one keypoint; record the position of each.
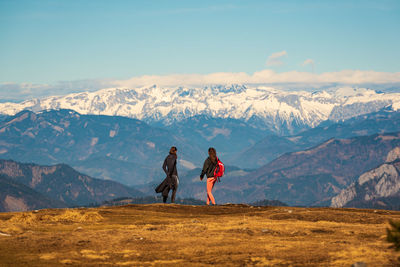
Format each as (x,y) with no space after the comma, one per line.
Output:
(284,80)
(267,76)
(11,91)
(275,59)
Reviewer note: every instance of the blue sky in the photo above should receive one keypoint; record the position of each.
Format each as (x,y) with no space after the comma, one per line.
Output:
(52,41)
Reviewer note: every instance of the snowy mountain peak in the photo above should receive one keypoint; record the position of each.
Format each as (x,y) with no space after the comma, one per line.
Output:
(261,106)
(346,92)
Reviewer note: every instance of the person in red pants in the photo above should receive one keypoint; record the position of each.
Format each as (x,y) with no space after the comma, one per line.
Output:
(208,169)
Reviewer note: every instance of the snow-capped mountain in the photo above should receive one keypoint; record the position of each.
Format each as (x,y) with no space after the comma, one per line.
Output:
(263,107)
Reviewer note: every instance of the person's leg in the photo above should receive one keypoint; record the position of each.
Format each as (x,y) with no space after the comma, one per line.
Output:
(165,194)
(213,199)
(173,195)
(208,192)
(175,184)
(210,185)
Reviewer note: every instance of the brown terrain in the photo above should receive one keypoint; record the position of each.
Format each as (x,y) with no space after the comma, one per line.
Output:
(179,235)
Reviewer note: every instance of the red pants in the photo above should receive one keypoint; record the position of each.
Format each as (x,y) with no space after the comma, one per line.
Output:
(210,184)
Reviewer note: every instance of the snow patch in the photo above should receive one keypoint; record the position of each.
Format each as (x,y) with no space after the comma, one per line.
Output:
(396,106)
(112,133)
(94,141)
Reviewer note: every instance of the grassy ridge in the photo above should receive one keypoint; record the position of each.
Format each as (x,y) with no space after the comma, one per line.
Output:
(186,235)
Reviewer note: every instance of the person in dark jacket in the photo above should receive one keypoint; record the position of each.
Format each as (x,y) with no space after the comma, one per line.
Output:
(208,169)
(172,180)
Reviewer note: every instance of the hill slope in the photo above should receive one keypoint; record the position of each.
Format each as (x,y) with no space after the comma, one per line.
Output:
(377,188)
(63,184)
(313,176)
(19,197)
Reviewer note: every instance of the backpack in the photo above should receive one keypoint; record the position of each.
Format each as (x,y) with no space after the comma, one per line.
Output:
(219,170)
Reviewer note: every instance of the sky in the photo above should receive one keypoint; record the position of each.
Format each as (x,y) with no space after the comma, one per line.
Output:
(55,47)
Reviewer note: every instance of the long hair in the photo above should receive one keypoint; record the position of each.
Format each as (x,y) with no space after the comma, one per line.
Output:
(213,154)
(173,150)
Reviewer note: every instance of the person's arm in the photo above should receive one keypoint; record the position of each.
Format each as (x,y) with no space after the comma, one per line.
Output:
(164,166)
(175,168)
(205,167)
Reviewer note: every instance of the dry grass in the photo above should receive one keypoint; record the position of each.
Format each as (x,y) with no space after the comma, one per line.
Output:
(75,216)
(177,235)
(68,215)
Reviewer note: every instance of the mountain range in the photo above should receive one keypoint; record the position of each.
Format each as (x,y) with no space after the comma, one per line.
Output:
(301,148)
(229,136)
(272,146)
(313,176)
(310,177)
(265,108)
(31,186)
(111,147)
(131,151)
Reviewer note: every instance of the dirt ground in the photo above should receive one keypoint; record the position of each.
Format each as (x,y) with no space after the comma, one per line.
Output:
(179,235)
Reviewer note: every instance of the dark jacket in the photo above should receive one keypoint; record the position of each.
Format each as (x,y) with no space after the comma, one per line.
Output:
(169,165)
(208,168)
(169,182)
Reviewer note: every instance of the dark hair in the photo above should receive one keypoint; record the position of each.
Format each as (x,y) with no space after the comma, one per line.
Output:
(173,150)
(213,154)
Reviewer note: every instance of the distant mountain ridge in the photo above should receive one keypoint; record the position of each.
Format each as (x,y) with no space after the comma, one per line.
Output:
(272,146)
(229,136)
(60,184)
(16,196)
(282,112)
